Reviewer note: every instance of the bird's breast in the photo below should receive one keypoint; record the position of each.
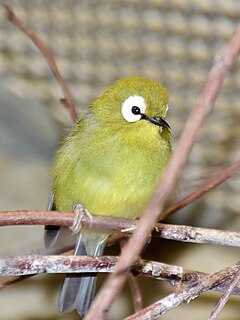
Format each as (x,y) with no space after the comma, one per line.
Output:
(117,180)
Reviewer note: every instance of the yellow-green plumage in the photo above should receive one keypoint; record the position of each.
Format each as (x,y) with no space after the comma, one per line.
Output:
(109,165)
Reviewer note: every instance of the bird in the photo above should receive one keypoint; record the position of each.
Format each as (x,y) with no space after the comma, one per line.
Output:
(109,165)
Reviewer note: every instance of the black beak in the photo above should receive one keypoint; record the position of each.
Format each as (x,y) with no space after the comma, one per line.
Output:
(157,121)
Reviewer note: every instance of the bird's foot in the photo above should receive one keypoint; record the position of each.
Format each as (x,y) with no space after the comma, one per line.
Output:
(79,211)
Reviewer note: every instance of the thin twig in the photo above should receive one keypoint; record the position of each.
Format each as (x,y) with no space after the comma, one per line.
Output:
(197,235)
(134,287)
(164,231)
(23,267)
(221,303)
(185,295)
(6,282)
(35,264)
(209,185)
(68,101)
(136,292)
(224,61)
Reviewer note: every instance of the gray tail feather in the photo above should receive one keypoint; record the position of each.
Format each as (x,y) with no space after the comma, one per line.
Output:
(78,290)
(51,232)
(77,293)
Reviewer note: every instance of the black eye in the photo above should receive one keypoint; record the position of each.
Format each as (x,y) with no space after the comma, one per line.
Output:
(136,110)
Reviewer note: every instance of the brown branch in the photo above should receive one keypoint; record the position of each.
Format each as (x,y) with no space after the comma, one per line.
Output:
(161,230)
(224,61)
(186,294)
(35,264)
(221,303)
(197,235)
(68,100)
(26,266)
(6,282)
(209,185)
(136,292)
(60,218)
(134,287)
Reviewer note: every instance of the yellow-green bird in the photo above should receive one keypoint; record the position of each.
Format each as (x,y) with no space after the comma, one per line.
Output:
(110,164)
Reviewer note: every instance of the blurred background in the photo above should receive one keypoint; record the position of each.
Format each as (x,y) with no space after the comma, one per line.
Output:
(95,43)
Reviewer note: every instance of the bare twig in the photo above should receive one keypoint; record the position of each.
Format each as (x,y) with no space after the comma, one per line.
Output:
(60,218)
(67,101)
(35,264)
(197,235)
(224,61)
(6,282)
(136,292)
(221,303)
(134,287)
(25,266)
(185,295)
(165,231)
(209,185)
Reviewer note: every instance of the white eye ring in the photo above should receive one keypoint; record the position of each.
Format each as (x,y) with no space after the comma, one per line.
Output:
(128,106)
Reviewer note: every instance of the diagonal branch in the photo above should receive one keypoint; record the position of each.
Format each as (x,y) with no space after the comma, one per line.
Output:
(67,101)
(221,303)
(136,292)
(6,282)
(186,294)
(134,287)
(209,185)
(224,61)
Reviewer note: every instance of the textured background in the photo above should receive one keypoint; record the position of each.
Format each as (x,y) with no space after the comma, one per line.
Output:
(95,43)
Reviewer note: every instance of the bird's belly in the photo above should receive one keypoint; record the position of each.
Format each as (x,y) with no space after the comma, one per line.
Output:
(119,194)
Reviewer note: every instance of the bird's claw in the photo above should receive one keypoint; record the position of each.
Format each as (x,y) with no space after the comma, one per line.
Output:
(79,211)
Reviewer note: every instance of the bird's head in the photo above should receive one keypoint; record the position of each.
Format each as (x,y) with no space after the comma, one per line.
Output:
(134,104)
